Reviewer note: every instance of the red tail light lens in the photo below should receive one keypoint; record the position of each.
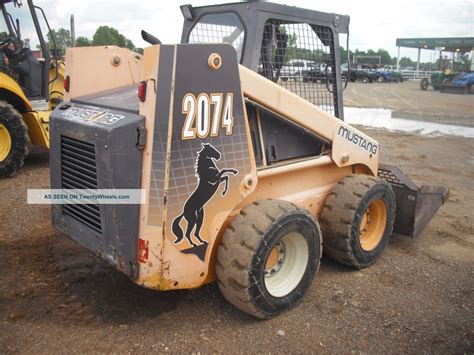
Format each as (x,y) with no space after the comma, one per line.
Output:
(142,91)
(142,250)
(67,83)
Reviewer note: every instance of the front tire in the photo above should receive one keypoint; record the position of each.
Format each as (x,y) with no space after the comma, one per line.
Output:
(424,84)
(357,220)
(14,140)
(268,257)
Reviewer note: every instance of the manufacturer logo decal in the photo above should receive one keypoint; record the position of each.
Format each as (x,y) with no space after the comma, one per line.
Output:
(209,180)
(104,117)
(358,140)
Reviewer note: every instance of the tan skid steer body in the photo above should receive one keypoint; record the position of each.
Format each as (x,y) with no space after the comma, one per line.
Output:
(246,182)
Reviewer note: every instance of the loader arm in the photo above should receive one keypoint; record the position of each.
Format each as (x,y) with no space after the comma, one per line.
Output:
(349,145)
(415,205)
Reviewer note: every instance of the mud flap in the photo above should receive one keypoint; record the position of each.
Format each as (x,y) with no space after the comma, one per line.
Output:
(415,205)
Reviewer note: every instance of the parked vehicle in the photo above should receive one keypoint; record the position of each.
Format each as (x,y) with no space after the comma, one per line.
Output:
(313,74)
(388,76)
(253,221)
(295,68)
(437,80)
(317,72)
(361,72)
(461,84)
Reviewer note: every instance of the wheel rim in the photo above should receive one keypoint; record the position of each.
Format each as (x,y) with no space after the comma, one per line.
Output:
(5,142)
(286,264)
(372,225)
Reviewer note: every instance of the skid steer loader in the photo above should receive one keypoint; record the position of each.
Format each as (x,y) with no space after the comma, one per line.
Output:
(248,178)
(25,81)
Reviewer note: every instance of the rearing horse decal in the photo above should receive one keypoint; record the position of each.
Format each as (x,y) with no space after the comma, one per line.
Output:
(209,179)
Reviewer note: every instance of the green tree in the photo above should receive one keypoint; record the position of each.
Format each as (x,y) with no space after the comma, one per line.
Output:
(385,57)
(4,36)
(83,42)
(343,54)
(106,35)
(406,62)
(62,38)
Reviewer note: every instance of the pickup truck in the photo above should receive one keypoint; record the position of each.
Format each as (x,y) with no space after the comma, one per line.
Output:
(295,68)
(360,72)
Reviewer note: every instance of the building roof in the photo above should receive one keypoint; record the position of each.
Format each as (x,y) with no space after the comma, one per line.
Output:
(447,44)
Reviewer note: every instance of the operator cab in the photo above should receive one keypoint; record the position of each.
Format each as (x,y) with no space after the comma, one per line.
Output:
(293,47)
(17,59)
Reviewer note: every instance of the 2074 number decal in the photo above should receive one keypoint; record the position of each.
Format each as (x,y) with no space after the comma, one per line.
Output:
(206,114)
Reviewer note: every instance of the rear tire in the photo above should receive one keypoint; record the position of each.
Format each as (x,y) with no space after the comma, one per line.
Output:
(268,257)
(14,140)
(365,79)
(357,220)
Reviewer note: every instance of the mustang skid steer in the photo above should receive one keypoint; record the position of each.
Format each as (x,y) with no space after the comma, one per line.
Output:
(247,182)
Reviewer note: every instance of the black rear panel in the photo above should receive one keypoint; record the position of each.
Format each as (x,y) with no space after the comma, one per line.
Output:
(92,148)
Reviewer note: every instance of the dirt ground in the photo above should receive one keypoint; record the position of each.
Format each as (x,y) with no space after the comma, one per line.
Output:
(55,297)
(408,101)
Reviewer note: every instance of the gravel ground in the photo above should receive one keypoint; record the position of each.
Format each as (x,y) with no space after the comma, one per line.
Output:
(55,297)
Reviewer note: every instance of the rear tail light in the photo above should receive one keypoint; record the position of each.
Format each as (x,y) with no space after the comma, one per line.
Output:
(142,250)
(142,91)
(67,83)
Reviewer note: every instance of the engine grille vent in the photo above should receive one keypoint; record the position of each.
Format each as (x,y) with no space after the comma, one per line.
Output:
(79,171)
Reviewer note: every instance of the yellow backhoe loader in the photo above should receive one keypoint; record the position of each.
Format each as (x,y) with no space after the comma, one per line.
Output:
(25,83)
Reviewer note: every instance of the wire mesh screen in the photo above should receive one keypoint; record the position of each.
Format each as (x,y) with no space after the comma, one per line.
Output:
(219,28)
(300,57)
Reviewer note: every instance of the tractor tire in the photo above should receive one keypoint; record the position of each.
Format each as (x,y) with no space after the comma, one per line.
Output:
(424,84)
(14,140)
(268,257)
(357,220)
(380,79)
(365,79)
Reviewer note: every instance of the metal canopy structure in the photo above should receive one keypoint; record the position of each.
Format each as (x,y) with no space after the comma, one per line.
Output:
(443,44)
(448,44)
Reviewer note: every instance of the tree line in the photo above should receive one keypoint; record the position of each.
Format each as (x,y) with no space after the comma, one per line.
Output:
(103,36)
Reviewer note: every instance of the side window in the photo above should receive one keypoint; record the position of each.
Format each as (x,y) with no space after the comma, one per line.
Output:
(219,28)
(299,44)
(276,140)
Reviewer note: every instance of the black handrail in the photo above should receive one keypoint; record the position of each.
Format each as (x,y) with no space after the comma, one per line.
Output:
(44,48)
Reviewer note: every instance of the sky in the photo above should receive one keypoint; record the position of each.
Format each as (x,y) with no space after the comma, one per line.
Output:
(374,24)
